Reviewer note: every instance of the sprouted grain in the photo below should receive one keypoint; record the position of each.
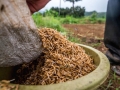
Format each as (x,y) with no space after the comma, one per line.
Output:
(60,61)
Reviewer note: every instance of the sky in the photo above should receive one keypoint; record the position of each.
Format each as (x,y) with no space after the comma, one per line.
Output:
(90,5)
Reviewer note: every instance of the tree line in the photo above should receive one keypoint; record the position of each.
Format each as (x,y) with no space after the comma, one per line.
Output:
(78,11)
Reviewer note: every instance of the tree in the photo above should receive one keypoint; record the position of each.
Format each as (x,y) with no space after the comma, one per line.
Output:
(78,11)
(60,8)
(73,2)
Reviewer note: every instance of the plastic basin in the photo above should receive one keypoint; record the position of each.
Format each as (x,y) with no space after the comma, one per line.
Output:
(90,81)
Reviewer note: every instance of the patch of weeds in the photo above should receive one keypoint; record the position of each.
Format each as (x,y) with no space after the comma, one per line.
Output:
(69,20)
(95,45)
(112,83)
(73,38)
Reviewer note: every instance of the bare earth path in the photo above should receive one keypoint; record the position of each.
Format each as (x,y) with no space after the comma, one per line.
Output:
(92,35)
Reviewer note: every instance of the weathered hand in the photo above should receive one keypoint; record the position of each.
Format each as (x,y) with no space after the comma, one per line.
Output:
(36,5)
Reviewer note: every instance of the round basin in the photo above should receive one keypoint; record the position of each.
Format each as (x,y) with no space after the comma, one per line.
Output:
(90,81)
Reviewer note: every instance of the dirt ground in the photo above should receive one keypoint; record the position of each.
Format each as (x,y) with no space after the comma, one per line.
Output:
(89,34)
(93,35)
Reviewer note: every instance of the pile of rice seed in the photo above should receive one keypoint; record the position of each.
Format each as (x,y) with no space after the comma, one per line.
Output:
(60,61)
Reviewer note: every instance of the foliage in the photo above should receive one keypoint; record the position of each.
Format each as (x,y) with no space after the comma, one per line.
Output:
(73,2)
(48,21)
(78,12)
(94,16)
(82,20)
(37,17)
(94,19)
(50,13)
(69,20)
(99,14)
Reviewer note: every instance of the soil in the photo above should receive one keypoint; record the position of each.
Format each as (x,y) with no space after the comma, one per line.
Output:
(93,35)
(89,34)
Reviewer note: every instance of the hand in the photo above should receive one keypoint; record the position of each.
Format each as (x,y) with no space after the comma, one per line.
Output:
(36,5)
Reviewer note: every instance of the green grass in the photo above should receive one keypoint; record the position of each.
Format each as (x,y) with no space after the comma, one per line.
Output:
(49,22)
(95,45)
(69,20)
(55,23)
(111,82)
(82,20)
